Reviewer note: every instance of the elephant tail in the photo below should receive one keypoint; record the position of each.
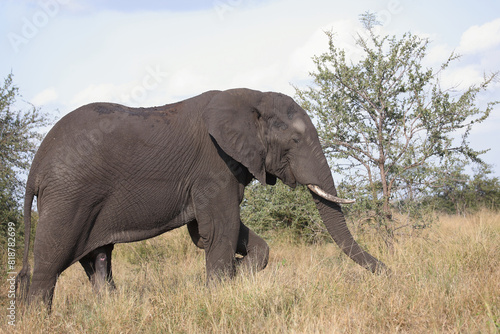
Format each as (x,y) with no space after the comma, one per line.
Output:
(23,278)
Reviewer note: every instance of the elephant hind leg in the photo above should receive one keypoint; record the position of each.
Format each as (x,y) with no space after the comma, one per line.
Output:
(254,249)
(42,286)
(52,254)
(97,265)
(45,274)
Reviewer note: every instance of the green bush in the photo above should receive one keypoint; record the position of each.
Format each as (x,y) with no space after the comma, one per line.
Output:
(468,194)
(281,212)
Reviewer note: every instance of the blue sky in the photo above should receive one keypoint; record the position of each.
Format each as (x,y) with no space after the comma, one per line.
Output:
(65,53)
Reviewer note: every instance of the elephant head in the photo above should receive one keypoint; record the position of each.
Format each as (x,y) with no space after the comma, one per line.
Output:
(274,137)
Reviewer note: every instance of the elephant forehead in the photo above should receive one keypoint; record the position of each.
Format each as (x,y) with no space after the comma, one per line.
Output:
(299,125)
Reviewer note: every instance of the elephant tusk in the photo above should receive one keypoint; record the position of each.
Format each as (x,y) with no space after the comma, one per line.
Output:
(320,192)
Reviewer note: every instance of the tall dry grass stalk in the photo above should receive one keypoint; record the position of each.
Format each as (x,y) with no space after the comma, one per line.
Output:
(445,282)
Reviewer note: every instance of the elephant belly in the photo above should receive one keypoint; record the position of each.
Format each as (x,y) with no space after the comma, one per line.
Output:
(143,213)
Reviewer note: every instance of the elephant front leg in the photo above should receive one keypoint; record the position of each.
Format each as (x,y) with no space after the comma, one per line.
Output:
(103,276)
(220,241)
(97,265)
(220,261)
(218,228)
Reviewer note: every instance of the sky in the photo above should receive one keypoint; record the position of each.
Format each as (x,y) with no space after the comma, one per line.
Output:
(67,53)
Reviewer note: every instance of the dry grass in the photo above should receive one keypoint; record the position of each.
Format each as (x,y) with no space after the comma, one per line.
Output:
(448,282)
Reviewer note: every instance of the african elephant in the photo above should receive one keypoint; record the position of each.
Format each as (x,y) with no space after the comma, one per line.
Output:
(108,174)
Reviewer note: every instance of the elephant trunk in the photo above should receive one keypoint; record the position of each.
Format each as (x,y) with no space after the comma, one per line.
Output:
(335,223)
(324,194)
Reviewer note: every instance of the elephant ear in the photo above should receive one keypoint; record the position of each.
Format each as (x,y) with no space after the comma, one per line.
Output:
(234,122)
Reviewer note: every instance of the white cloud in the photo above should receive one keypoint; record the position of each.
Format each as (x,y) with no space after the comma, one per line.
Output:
(300,61)
(99,93)
(461,77)
(46,96)
(345,35)
(186,81)
(480,38)
(199,57)
(437,55)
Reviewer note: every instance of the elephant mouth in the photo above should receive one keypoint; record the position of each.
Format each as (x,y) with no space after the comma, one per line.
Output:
(320,192)
(288,177)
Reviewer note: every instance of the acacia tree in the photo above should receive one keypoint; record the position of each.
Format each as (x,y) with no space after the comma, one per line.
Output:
(388,118)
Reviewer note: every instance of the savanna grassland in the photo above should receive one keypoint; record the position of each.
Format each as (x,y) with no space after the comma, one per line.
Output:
(445,281)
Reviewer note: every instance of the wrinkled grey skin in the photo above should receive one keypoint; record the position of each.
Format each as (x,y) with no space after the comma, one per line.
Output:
(108,174)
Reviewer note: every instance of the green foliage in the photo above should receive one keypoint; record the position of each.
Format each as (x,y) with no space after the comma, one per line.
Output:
(463,193)
(279,211)
(18,141)
(389,121)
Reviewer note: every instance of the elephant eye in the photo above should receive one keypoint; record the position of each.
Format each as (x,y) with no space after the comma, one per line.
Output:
(296,140)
